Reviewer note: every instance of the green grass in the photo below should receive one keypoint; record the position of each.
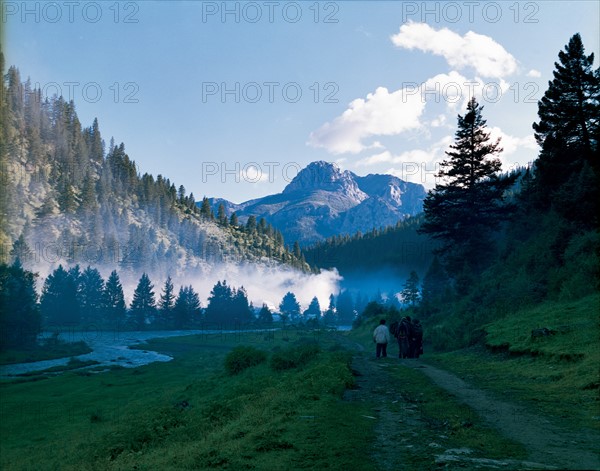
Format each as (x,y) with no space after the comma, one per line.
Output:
(557,375)
(73,364)
(190,414)
(48,351)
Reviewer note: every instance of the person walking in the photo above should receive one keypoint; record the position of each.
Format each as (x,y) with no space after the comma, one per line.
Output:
(404,334)
(381,337)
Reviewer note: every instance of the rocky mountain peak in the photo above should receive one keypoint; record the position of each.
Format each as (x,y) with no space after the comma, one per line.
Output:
(326,176)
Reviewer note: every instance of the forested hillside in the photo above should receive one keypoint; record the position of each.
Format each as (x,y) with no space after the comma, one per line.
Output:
(498,251)
(393,247)
(67,197)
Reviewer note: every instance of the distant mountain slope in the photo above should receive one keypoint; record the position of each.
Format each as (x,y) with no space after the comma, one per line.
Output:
(66,199)
(324,201)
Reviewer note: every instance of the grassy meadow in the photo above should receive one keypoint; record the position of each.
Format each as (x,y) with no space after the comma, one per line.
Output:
(191,413)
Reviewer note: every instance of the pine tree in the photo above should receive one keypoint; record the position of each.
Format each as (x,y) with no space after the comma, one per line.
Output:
(410,291)
(20,320)
(205,209)
(88,195)
(166,303)
(143,305)
(265,316)
(297,252)
(462,211)
(187,308)
(114,300)
(91,295)
(219,303)
(222,215)
(233,220)
(59,302)
(289,308)
(21,251)
(330,314)
(251,224)
(240,308)
(313,310)
(567,172)
(345,308)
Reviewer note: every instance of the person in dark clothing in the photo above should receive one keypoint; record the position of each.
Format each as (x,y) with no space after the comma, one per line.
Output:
(404,333)
(416,339)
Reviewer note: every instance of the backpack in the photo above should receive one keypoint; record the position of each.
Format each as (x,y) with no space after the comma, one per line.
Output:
(394,328)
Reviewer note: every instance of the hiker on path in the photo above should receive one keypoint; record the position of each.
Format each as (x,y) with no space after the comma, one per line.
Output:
(404,333)
(381,337)
(416,339)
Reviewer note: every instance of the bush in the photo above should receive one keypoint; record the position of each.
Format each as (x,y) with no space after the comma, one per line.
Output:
(295,357)
(241,358)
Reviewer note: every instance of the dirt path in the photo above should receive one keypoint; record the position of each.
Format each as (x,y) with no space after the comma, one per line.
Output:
(545,442)
(401,431)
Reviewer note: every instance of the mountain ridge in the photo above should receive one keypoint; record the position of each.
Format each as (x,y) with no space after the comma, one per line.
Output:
(322,201)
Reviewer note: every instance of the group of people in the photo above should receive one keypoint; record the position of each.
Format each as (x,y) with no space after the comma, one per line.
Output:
(407,332)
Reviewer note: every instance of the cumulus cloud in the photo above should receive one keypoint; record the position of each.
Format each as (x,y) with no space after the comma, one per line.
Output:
(516,151)
(534,73)
(415,165)
(381,114)
(387,114)
(481,52)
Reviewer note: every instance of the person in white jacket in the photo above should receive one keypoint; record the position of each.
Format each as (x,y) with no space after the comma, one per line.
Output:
(381,337)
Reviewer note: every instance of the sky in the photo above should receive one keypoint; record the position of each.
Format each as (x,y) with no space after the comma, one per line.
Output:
(232,99)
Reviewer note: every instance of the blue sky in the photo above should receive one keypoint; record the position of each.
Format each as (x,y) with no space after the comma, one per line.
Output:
(206,92)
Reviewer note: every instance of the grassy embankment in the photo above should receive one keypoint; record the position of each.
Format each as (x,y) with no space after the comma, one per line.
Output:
(49,350)
(190,413)
(557,375)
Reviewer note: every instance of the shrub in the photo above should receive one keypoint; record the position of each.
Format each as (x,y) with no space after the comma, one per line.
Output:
(295,357)
(241,358)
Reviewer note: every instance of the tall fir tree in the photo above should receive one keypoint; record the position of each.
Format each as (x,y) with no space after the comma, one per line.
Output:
(114,301)
(330,315)
(91,296)
(567,172)
(186,311)
(345,308)
(410,290)
(219,303)
(265,316)
(20,320)
(166,303)
(462,211)
(59,302)
(313,310)
(289,308)
(240,307)
(143,305)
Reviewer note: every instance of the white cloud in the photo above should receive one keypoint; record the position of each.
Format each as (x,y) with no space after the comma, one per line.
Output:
(385,156)
(415,165)
(482,53)
(439,121)
(381,114)
(516,151)
(534,73)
